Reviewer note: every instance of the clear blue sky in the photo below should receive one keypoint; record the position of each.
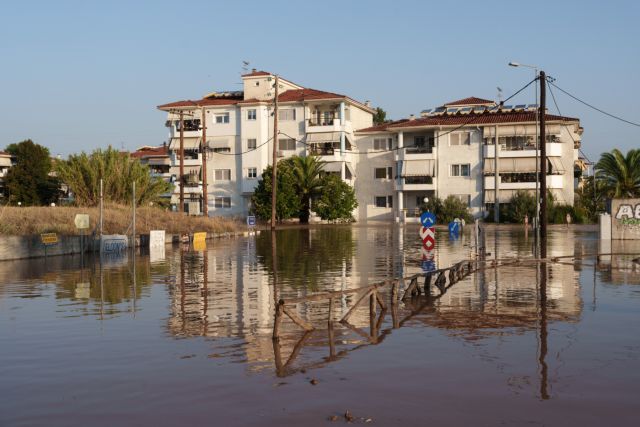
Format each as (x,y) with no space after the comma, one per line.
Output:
(86,74)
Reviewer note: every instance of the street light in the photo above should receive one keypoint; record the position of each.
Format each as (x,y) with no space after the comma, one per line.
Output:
(535,68)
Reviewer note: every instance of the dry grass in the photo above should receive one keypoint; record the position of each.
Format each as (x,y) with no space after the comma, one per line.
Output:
(117,220)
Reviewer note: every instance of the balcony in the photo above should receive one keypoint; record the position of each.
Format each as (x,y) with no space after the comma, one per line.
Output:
(330,124)
(416,153)
(554,149)
(553,181)
(414,183)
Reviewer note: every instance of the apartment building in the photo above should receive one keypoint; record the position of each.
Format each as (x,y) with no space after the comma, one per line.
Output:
(159,163)
(451,150)
(239,130)
(6,161)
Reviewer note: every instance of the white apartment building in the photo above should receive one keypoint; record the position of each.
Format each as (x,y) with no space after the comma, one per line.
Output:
(6,161)
(451,150)
(448,150)
(239,130)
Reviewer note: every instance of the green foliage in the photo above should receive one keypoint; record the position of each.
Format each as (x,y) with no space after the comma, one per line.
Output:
(380,116)
(522,203)
(620,174)
(28,181)
(287,200)
(448,209)
(558,214)
(336,201)
(82,173)
(590,201)
(308,184)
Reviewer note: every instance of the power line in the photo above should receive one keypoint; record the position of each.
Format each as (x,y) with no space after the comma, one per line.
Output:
(593,107)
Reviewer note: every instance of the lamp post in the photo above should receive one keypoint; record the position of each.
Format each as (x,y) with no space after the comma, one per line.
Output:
(536,75)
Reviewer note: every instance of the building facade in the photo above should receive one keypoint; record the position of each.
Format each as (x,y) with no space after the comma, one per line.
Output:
(450,150)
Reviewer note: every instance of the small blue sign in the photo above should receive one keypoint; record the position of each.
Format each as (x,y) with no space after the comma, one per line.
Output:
(251,221)
(428,219)
(428,265)
(454,227)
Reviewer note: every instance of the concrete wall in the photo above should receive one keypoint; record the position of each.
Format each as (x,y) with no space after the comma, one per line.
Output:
(625,219)
(17,247)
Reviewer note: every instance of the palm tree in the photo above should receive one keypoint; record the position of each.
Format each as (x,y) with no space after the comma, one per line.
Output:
(308,183)
(620,174)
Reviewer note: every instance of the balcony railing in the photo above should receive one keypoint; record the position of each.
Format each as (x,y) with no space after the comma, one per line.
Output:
(418,180)
(323,121)
(427,149)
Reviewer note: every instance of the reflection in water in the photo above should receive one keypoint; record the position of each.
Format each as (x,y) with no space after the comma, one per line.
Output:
(228,294)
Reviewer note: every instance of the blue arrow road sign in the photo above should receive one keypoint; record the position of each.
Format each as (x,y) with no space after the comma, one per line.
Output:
(454,227)
(251,221)
(428,219)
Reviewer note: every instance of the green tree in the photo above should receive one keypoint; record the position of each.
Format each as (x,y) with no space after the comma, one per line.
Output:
(82,173)
(28,181)
(336,201)
(287,200)
(620,174)
(306,171)
(380,116)
(589,200)
(448,209)
(522,203)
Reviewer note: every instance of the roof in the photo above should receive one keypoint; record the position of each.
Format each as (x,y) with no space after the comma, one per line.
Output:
(205,102)
(256,73)
(472,100)
(4,153)
(466,119)
(150,152)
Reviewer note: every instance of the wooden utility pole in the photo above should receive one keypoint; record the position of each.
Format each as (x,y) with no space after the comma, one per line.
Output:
(274,177)
(181,207)
(543,158)
(203,149)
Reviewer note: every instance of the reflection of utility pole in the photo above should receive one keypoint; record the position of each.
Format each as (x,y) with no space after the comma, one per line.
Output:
(274,175)
(544,394)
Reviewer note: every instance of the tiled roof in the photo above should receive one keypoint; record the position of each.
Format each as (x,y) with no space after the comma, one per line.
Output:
(4,153)
(472,100)
(466,119)
(307,94)
(256,74)
(200,103)
(150,152)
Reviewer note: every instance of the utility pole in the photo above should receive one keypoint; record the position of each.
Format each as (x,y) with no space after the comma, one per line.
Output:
(133,228)
(543,160)
(205,206)
(181,206)
(274,177)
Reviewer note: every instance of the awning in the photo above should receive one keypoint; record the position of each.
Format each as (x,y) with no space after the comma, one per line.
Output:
(518,130)
(192,143)
(219,143)
(511,165)
(556,165)
(321,137)
(332,167)
(351,169)
(418,168)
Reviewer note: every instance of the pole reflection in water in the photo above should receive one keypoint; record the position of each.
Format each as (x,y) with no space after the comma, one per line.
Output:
(544,370)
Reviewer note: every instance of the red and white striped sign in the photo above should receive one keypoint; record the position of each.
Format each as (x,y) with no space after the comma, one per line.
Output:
(428,236)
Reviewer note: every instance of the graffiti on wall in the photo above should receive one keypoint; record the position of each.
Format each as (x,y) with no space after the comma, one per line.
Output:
(625,223)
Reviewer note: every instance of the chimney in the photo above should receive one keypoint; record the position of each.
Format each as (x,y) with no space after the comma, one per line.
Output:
(412,117)
(253,70)
(367,103)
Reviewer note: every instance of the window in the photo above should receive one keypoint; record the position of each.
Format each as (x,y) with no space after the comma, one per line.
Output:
(382,144)
(221,150)
(461,170)
(464,198)
(287,114)
(252,173)
(251,114)
(461,138)
(287,144)
(222,175)
(383,173)
(251,144)
(222,118)
(222,202)
(383,201)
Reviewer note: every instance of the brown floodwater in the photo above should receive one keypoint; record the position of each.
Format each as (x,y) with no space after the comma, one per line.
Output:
(180,337)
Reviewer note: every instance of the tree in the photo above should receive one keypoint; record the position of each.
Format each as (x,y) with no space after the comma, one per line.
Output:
(590,200)
(306,171)
(28,181)
(448,209)
(336,201)
(620,174)
(380,116)
(82,173)
(522,203)
(287,200)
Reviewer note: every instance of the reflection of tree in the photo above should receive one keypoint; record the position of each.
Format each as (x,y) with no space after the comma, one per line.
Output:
(305,255)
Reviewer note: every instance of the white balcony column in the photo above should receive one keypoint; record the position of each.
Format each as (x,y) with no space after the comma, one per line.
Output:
(342,136)
(400,139)
(342,170)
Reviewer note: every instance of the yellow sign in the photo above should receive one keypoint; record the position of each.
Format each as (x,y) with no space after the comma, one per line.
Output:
(200,241)
(49,239)
(81,221)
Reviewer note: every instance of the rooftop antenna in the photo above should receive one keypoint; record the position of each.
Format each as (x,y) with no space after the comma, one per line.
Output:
(500,101)
(245,67)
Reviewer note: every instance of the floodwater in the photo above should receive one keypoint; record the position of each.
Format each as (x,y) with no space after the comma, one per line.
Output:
(182,337)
